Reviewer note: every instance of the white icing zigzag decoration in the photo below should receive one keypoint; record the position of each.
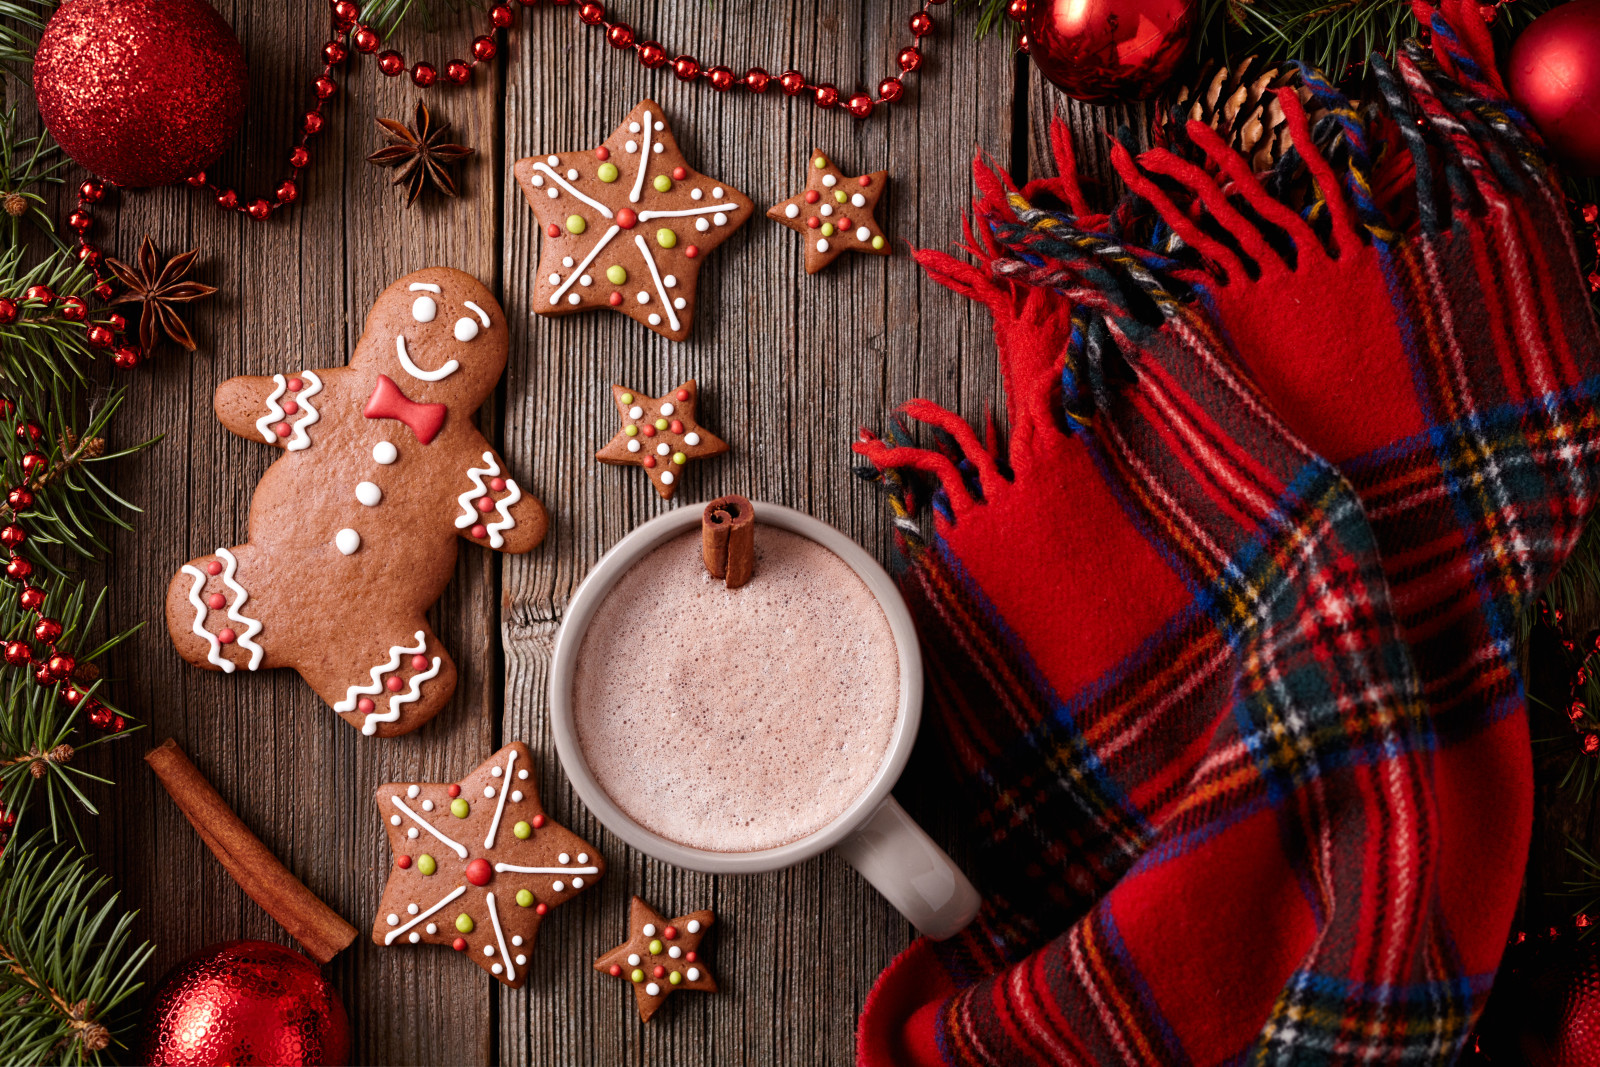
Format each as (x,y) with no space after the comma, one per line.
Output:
(213,655)
(299,439)
(355,692)
(469,514)
(252,626)
(370,727)
(274,412)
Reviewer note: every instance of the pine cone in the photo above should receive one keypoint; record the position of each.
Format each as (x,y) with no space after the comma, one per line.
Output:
(1241,105)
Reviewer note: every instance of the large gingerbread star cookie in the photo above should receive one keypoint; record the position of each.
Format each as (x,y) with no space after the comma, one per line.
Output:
(478,864)
(627,225)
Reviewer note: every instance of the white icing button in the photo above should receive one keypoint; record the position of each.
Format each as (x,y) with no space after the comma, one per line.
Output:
(432,928)
(680,303)
(413,790)
(585,280)
(557,886)
(411,832)
(660,126)
(394,920)
(516,939)
(566,261)
(674,951)
(691,438)
(385,453)
(636,412)
(649,930)
(555,279)
(563,858)
(552,160)
(693,974)
(670,281)
(633,959)
(694,926)
(653,319)
(466,329)
(662,449)
(495,968)
(521,960)
(792,211)
(830,180)
(347,540)
(488,791)
(495,772)
(572,298)
(644,297)
(632,146)
(825,210)
(695,194)
(716,191)
(411,909)
(522,775)
(667,478)
(658,148)
(427,805)
(369,494)
(572,174)
(702,225)
(488,950)
(720,219)
(423,309)
(862,233)
(516,796)
(538,181)
(583,857)
(394,820)
(667,408)
(653,990)
(414,937)
(822,244)
(554,192)
(633,127)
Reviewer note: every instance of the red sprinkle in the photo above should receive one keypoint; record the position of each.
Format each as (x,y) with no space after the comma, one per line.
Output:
(454,791)
(213,567)
(479,872)
(865,180)
(812,196)
(497,484)
(648,430)
(217,600)
(615,299)
(670,932)
(227,636)
(627,218)
(689,956)
(813,222)
(365,705)
(291,407)
(394,684)
(538,821)
(602,153)
(540,908)
(678,174)
(691,251)
(552,230)
(283,429)
(485,504)
(419,662)
(844,222)
(403,862)
(479,530)
(658,971)
(615,971)
(675,427)
(649,462)
(459,944)
(295,385)
(682,394)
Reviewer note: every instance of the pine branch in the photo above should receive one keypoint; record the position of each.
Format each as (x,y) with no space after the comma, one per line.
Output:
(67,964)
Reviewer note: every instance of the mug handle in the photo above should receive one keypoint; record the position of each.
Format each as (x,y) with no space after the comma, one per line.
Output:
(914,874)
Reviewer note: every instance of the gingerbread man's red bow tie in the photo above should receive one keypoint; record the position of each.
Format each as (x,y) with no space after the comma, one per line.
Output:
(388,402)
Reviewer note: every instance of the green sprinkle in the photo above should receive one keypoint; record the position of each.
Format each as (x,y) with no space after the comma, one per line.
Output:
(657,948)
(838,195)
(608,172)
(522,830)
(666,238)
(627,398)
(675,978)
(459,807)
(662,183)
(827,229)
(661,424)
(820,162)
(575,224)
(631,430)
(679,458)
(877,242)
(617,274)
(637,975)
(426,864)
(464,923)
(524,899)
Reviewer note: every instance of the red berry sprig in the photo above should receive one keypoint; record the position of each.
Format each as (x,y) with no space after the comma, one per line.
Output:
(101,329)
(1577,711)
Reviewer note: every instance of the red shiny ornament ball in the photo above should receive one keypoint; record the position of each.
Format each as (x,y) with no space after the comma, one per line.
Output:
(81,221)
(860,105)
(89,254)
(42,293)
(47,630)
(366,41)
(288,193)
(17,653)
(70,694)
(1101,51)
(74,309)
(227,200)
(921,24)
(652,55)
(540,908)
(34,462)
(61,665)
(1554,73)
(825,95)
(126,357)
(312,123)
(99,715)
(483,49)
(43,677)
(245,1002)
(31,598)
(456,72)
(424,75)
(9,312)
(140,92)
(756,80)
(620,36)
(792,82)
(326,88)
(345,14)
(670,933)
(103,290)
(910,59)
(592,14)
(12,535)
(501,16)
(259,209)
(18,569)
(658,971)
(20,498)
(91,191)
(116,322)
(334,53)
(687,68)
(1017,10)
(391,62)
(891,89)
(479,872)
(721,78)
(615,970)
(29,431)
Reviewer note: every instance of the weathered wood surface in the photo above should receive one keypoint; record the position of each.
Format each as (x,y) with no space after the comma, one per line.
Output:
(789,368)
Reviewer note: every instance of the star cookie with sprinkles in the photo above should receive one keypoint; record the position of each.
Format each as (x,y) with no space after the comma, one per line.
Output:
(835,213)
(478,864)
(660,956)
(627,224)
(660,434)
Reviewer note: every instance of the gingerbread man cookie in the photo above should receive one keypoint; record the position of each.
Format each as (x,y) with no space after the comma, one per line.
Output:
(353,531)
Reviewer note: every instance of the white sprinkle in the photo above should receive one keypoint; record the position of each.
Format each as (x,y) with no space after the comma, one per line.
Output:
(633,444)
(411,909)
(427,805)
(666,478)
(488,791)
(572,174)
(412,791)
(830,180)
(649,930)
(521,959)
(538,181)
(347,540)
(424,308)
(577,883)
(488,950)
(695,194)
(667,408)
(584,279)
(552,160)
(702,225)
(553,192)
(495,968)
(680,303)
(632,146)
(385,453)
(822,244)
(792,211)
(863,234)
(432,928)
(414,937)
(516,939)
(633,127)
(394,820)
(495,772)
(555,279)
(660,126)
(694,926)
(825,210)
(720,219)
(566,261)
(662,449)
(653,989)
(516,794)
(573,298)
(644,297)
(583,857)
(411,832)
(653,319)
(670,281)
(674,951)
(563,858)
(858,200)
(658,148)
(557,886)
(636,412)
(394,920)
(522,774)
(369,494)
(691,438)
(693,974)
(716,191)
(633,959)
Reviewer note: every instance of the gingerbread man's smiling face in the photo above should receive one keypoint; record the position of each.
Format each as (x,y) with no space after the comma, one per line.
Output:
(439,335)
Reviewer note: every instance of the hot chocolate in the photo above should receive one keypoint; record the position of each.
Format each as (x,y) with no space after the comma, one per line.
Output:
(734,720)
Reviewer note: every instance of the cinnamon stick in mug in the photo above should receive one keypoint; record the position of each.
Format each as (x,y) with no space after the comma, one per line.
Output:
(728,539)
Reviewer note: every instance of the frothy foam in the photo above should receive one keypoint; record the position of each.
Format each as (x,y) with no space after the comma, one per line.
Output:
(734,720)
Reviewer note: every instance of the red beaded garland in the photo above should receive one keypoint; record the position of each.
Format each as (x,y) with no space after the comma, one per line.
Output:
(592,14)
(391,62)
(687,68)
(457,73)
(757,80)
(721,78)
(910,59)
(792,81)
(620,35)
(483,49)
(424,75)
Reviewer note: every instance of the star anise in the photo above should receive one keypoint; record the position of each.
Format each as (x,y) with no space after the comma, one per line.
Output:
(421,153)
(158,287)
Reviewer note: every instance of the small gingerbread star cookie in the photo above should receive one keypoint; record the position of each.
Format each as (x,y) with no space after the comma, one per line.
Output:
(835,213)
(660,435)
(660,956)
(627,224)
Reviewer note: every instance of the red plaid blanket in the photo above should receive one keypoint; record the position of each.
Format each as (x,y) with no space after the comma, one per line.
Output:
(1221,639)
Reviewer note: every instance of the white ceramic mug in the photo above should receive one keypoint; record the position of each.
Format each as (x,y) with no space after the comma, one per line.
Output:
(874,834)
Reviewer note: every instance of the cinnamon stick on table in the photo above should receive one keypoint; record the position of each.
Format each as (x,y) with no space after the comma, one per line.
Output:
(728,539)
(318,928)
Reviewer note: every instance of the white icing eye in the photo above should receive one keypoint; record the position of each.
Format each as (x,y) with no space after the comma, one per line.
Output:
(384,452)
(466,329)
(423,309)
(369,494)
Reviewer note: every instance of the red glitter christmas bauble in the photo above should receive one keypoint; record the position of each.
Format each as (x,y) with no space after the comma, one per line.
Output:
(1102,51)
(141,92)
(1555,75)
(245,1002)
